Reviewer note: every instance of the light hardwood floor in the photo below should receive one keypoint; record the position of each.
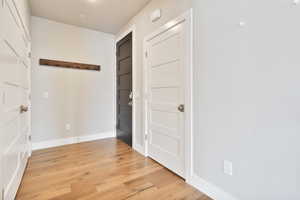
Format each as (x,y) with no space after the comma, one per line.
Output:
(105,169)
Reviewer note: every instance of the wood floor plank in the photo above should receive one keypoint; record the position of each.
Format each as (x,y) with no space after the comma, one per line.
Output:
(106,170)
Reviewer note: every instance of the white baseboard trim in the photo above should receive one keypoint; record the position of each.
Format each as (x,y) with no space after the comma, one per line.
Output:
(139,148)
(53,143)
(100,136)
(72,140)
(209,189)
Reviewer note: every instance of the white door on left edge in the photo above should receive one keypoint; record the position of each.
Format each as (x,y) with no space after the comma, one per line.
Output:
(166,91)
(14,93)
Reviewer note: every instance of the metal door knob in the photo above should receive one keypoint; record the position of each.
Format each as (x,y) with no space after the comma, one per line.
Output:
(23,109)
(181,108)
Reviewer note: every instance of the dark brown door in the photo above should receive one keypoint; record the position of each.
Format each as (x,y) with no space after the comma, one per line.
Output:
(124,89)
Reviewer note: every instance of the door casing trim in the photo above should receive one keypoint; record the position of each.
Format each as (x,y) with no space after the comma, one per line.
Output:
(136,96)
(187,17)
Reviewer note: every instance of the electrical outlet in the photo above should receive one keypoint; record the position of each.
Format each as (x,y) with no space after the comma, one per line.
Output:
(46,95)
(228,168)
(68,127)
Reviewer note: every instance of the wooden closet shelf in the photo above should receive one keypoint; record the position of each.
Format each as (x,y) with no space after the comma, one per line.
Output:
(72,65)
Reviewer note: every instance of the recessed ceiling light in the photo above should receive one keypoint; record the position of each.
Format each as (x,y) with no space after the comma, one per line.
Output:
(92,1)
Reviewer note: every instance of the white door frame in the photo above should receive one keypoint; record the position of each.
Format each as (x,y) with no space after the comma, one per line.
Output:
(186,18)
(135,94)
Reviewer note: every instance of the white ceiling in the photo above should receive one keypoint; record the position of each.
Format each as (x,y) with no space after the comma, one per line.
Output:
(103,15)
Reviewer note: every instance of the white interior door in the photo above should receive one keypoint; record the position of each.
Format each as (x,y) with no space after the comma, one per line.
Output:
(14,90)
(165,64)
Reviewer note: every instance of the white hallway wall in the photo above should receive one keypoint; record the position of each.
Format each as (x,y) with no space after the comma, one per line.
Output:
(84,99)
(247,96)
(246,102)
(170,10)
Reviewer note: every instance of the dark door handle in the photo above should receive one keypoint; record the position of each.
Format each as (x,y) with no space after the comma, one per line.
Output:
(181,108)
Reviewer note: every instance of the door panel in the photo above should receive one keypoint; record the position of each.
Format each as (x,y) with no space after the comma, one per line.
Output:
(125,66)
(14,92)
(9,59)
(123,98)
(124,89)
(124,48)
(165,49)
(161,75)
(165,96)
(165,81)
(171,145)
(165,118)
(11,154)
(14,34)
(125,82)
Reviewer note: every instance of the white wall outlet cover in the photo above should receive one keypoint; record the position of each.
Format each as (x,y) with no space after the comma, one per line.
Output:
(228,168)
(46,95)
(155,15)
(68,127)
(242,24)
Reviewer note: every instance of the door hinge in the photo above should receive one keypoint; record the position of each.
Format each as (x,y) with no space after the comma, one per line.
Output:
(146,54)
(29,137)
(3,98)
(146,137)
